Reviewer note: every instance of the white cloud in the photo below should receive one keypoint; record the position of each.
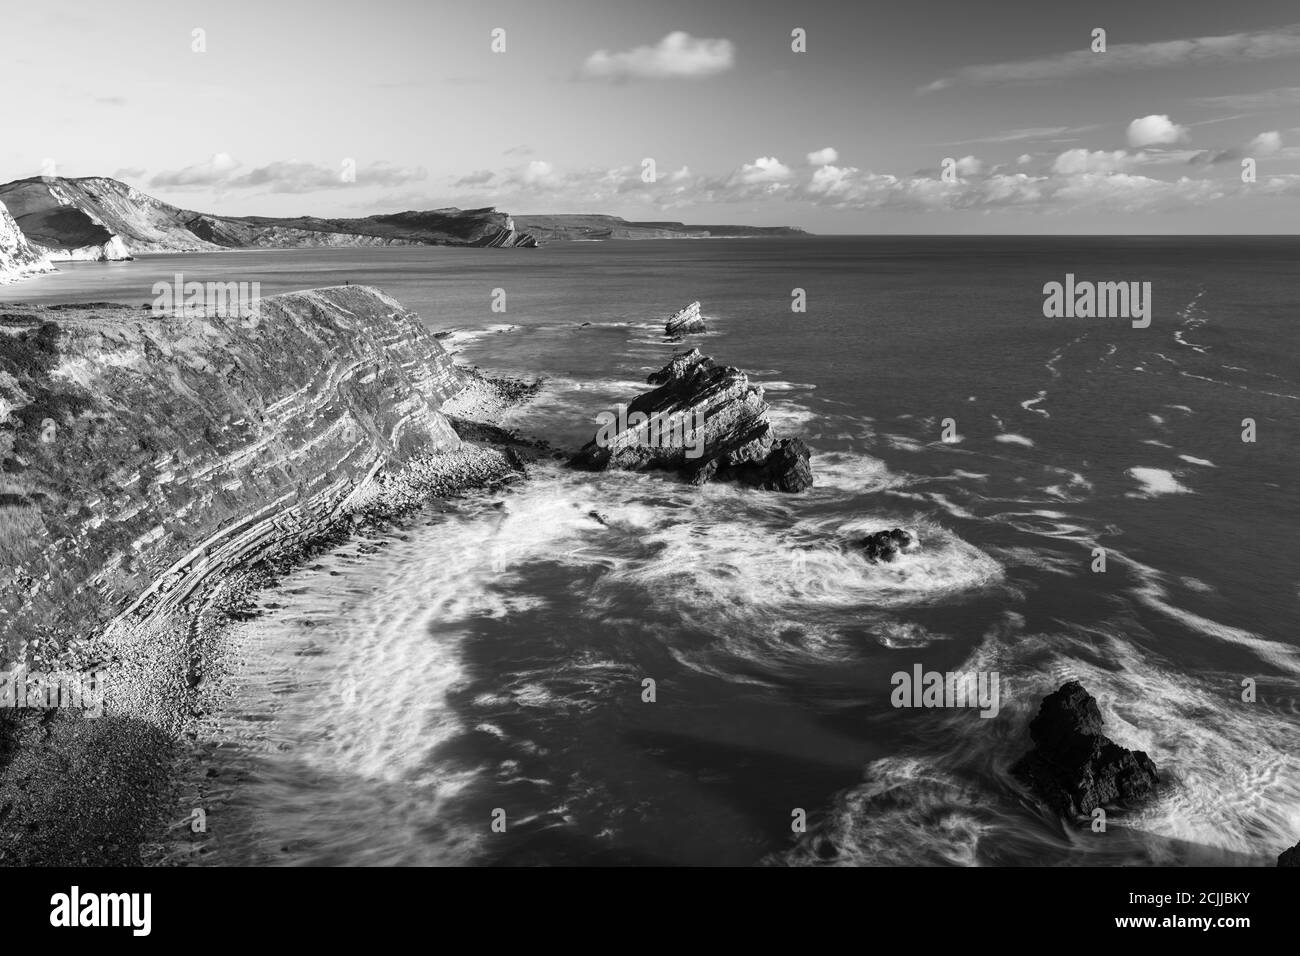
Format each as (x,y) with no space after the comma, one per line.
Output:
(677,55)
(1024,159)
(1274,99)
(1155,130)
(1123,57)
(1074,162)
(1265,144)
(824,157)
(765,169)
(215,170)
(285,176)
(969,166)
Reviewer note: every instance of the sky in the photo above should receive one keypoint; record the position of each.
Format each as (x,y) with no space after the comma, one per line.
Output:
(912,116)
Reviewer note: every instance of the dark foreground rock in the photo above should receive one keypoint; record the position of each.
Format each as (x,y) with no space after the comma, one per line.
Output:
(704,421)
(1290,857)
(888,545)
(1076,768)
(686,321)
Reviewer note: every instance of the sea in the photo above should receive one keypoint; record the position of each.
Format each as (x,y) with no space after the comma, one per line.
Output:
(624,669)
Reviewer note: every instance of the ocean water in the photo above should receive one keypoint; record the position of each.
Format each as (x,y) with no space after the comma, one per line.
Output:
(489,657)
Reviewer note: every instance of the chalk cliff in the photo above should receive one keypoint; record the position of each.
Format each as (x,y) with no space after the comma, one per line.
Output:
(17,256)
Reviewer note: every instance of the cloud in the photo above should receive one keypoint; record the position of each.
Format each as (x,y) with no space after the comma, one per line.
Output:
(215,171)
(286,176)
(765,169)
(1274,99)
(111,100)
(1125,57)
(1017,135)
(1074,162)
(523,149)
(1074,181)
(1024,159)
(1265,144)
(129,172)
(479,177)
(1155,130)
(678,55)
(823,157)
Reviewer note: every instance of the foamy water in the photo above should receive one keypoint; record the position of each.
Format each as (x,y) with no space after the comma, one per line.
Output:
(493,654)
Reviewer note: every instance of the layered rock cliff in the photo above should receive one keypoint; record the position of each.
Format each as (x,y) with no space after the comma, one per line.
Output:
(17,257)
(140,454)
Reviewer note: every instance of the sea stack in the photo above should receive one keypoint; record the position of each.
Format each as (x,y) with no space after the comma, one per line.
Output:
(1074,767)
(704,421)
(684,321)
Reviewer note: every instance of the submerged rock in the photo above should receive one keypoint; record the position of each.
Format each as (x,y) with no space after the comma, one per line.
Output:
(1290,857)
(685,321)
(888,545)
(1076,768)
(704,421)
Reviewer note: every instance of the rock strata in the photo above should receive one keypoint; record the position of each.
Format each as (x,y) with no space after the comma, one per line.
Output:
(704,421)
(1074,767)
(685,321)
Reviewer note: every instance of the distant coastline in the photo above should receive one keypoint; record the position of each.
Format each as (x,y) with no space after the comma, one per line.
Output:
(46,219)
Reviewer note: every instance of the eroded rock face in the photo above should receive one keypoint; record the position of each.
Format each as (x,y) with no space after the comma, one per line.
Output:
(1074,767)
(888,545)
(1290,857)
(141,454)
(18,258)
(685,321)
(704,421)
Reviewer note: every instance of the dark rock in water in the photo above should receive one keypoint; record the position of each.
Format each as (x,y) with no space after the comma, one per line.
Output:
(786,468)
(1290,857)
(685,321)
(704,421)
(1076,768)
(888,545)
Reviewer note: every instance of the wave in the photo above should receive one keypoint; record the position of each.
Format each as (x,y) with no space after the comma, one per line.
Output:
(1156,482)
(956,802)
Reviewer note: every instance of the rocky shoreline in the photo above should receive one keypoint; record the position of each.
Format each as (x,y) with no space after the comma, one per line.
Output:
(144,586)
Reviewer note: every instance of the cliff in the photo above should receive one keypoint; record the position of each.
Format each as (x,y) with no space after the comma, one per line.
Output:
(101,218)
(17,257)
(157,471)
(139,454)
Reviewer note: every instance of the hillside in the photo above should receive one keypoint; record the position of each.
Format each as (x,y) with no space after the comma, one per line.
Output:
(551,228)
(99,218)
